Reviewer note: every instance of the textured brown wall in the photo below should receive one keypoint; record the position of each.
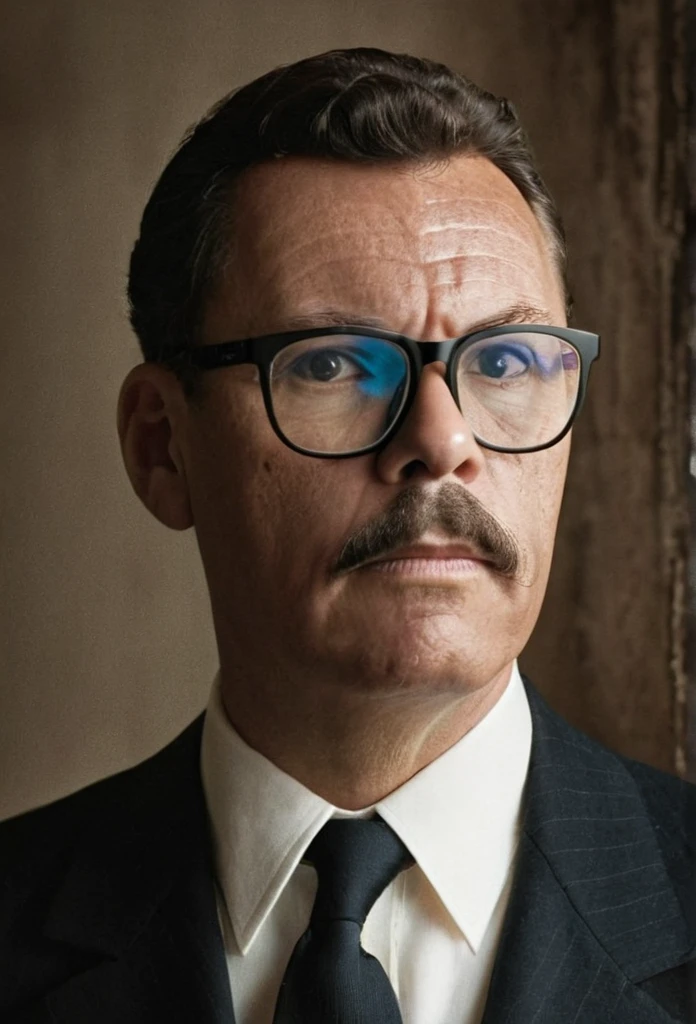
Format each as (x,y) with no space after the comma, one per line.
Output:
(690,291)
(615,616)
(107,648)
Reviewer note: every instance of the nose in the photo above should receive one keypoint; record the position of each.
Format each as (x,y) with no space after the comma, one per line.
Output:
(434,440)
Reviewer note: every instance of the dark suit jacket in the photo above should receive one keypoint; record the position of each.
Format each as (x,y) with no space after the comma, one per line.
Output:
(108,916)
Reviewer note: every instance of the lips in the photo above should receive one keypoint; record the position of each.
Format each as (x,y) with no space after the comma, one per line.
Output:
(431,551)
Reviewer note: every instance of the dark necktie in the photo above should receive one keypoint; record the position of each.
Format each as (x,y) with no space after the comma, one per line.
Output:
(330,979)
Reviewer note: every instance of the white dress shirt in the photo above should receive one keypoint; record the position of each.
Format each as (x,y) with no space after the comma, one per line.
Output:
(435,929)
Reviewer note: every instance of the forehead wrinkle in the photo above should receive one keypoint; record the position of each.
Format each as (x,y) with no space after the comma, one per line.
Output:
(391,223)
(480,228)
(502,286)
(291,252)
(489,200)
(509,209)
(335,271)
(374,248)
(466,270)
(417,261)
(293,257)
(464,256)
(391,228)
(339,261)
(464,279)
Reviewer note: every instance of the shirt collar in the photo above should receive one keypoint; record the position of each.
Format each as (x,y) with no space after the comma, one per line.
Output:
(460,816)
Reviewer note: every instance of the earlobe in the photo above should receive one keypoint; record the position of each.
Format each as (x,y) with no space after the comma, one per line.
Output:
(149,400)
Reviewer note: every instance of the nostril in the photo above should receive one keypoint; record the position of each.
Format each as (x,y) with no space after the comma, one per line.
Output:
(413,468)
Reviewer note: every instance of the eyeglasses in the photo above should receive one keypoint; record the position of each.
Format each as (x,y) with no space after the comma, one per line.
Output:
(338,392)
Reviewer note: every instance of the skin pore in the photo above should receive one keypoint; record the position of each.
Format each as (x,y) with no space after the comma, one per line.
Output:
(353,682)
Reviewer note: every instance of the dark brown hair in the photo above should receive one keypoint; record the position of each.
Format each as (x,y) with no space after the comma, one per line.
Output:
(361,105)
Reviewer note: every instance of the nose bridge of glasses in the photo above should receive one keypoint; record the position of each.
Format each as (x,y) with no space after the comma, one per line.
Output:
(435,351)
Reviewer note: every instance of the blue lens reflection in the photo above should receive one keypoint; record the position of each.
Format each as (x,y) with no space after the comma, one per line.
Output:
(384,366)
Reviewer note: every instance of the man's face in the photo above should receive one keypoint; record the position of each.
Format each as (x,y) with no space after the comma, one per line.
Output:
(431,254)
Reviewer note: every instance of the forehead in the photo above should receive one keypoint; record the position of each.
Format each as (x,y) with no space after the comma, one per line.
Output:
(421,248)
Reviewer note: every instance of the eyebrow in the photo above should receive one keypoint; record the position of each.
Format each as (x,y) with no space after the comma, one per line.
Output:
(519,313)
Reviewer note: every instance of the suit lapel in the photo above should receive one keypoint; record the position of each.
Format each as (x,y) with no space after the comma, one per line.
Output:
(174,970)
(139,902)
(551,968)
(593,911)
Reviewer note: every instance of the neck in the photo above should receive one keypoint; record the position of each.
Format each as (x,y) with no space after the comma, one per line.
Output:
(352,747)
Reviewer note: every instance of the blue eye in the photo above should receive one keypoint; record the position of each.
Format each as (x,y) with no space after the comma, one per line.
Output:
(503,361)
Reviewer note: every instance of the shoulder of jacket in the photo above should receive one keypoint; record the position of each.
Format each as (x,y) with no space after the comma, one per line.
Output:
(671,801)
(36,845)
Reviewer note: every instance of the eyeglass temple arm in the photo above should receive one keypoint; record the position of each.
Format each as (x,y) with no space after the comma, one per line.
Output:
(205,357)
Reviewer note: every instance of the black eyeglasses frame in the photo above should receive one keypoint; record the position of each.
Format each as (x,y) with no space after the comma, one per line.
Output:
(261,351)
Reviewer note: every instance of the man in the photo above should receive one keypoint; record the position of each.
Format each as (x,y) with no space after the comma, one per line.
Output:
(377,819)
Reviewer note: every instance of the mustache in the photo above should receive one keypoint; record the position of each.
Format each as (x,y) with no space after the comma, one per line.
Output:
(453,511)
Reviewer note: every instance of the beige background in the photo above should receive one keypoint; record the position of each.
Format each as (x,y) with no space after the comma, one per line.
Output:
(107,649)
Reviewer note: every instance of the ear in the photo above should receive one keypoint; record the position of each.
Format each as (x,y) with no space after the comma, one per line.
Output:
(151,408)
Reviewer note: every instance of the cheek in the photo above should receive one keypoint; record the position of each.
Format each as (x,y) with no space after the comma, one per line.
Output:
(528,490)
(314,506)
(263,511)
(229,471)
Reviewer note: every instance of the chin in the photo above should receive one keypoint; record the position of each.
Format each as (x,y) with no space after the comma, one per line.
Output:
(419,664)
(420,638)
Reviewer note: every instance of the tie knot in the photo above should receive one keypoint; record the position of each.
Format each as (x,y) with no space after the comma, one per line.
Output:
(355,860)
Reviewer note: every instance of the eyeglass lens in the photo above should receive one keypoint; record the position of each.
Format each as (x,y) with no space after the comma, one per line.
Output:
(342,393)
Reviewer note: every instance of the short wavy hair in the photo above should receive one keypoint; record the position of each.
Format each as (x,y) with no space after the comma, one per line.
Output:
(359,105)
